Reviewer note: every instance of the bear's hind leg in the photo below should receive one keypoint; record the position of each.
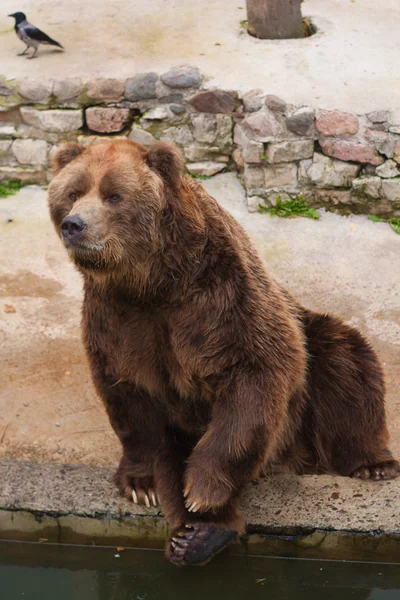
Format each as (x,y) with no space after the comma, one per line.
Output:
(345,420)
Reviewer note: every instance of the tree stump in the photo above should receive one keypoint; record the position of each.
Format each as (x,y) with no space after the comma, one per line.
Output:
(275,19)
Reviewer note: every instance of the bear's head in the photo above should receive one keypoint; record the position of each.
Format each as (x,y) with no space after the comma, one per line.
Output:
(106,201)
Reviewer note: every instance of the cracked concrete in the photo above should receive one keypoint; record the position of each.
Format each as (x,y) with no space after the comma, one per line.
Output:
(48,408)
(350,64)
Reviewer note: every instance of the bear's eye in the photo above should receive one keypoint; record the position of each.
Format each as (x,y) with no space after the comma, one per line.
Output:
(73,196)
(114,198)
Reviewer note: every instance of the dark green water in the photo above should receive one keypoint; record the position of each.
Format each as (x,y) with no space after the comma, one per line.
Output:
(52,572)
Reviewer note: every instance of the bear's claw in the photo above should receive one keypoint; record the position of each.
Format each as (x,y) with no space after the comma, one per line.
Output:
(197,544)
(378,472)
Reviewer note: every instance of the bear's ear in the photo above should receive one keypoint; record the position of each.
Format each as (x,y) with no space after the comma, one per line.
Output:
(65,155)
(166,159)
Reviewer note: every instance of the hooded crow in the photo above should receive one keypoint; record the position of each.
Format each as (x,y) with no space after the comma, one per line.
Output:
(31,35)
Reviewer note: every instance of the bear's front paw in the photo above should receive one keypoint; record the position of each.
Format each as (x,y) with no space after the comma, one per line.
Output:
(139,489)
(206,489)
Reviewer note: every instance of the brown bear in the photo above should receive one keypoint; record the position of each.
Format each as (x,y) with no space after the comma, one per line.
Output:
(208,369)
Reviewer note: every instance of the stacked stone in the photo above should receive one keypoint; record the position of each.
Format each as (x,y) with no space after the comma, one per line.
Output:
(333,158)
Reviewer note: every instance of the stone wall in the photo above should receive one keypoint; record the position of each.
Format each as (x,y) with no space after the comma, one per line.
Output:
(334,158)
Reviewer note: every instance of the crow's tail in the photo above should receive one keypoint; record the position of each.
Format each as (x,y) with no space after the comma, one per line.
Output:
(54,43)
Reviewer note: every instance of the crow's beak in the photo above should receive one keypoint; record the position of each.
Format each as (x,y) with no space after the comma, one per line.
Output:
(11,16)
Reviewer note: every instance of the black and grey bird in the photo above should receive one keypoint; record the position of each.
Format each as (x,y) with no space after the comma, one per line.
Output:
(31,35)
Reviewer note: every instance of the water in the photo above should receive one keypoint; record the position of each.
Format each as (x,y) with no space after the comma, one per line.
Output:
(54,572)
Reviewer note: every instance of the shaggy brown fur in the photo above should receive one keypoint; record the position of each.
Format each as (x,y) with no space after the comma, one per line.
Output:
(208,369)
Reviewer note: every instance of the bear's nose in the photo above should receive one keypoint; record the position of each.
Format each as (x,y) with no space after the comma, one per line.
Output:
(72,226)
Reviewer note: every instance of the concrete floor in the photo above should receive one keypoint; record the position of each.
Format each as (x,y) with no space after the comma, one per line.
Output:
(48,408)
(352,63)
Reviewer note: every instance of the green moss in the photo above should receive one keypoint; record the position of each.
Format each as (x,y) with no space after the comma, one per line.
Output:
(157,128)
(290,208)
(12,100)
(394,222)
(84,100)
(9,189)
(262,156)
(200,177)
(244,24)
(376,219)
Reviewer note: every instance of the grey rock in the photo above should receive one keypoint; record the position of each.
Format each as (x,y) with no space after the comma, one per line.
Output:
(253,203)
(184,76)
(56,121)
(212,129)
(67,89)
(388,169)
(304,165)
(36,90)
(205,153)
(395,129)
(369,187)
(326,172)
(269,198)
(383,142)
(141,86)
(5,147)
(177,109)
(391,189)
(238,158)
(378,116)
(394,117)
(251,151)
(278,152)
(140,136)
(26,175)
(158,113)
(206,169)
(275,104)
(368,170)
(333,197)
(4,89)
(88,140)
(27,132)
(262,126)
(253,177)
(7,131)
(301,121)
(180,135)
(273,195)
(396,152)
(30,152)
(253,100)
(171,98)
(280,175)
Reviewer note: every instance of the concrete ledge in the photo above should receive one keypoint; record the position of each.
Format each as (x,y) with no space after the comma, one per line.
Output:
(315,517)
